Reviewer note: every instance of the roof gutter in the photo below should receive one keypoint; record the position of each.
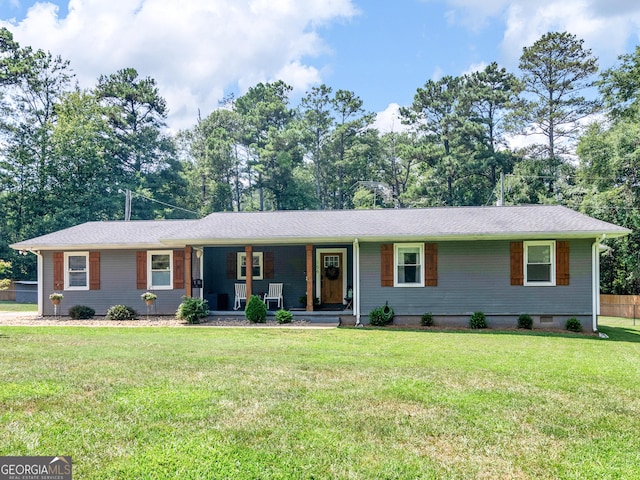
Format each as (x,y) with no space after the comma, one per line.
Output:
(96,246)
(293,240)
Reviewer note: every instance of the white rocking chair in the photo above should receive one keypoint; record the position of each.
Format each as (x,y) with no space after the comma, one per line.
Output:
(274,294)
(241,294)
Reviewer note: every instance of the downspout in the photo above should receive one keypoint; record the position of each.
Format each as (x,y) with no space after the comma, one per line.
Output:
(40,283)
(356,281)
(201,273)
(595,280)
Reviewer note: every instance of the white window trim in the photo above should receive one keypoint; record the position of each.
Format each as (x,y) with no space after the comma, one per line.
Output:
(150,285)
(396,248)
(66,270)
(242,255)
(550,243)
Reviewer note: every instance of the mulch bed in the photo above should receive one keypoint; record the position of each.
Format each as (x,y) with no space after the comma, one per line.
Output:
(7,319)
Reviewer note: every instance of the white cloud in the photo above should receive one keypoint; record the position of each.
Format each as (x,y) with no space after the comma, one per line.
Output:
(475,67)
(437,74)
(606,27)
(195,49)
(389,120)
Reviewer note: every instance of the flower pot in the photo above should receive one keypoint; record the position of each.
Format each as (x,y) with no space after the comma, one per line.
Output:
(55,301)
(149,302)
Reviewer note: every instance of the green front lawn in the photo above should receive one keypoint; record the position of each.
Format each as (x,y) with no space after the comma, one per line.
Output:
(206,402)
(18,307)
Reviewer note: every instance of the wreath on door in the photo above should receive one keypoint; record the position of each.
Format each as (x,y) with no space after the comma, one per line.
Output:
(332,273)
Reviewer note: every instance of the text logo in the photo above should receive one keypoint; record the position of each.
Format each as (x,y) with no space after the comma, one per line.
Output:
(35,468)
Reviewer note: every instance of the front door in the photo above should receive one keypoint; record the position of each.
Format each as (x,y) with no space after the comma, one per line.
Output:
(331,286)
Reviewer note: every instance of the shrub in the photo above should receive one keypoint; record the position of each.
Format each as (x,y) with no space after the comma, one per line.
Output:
(381,316)
(525,321)
(376,318)
(284,316)
(81,312)
(478,320)
(121,312)
(303,300)
(256,310)
(192,309)
(573,325)
(426,320)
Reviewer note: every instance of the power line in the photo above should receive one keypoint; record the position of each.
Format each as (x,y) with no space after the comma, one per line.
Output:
(156,201)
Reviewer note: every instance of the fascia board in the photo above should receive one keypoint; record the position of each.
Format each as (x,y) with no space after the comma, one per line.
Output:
(387,238)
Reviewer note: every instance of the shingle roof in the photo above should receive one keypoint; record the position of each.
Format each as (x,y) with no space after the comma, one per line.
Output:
(522,222)
(119,234)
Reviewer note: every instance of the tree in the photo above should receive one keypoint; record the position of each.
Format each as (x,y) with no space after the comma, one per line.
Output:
(488,96)
(354,147)
(272,139)
(5,272)
(556,70)
(317,125)
(216,165)
(620,87)
(31,85)
(80,167)
(435,114)
(403,153)
(609,173)
(136,114)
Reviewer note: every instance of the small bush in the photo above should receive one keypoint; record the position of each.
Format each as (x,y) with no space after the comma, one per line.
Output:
(256,310)
(81,312)
(426,320)
(478,320)
(284,316)
(121,312)
(303,300)
(525,321)
(573,325)
(381,316)
(376,318)
(192,309)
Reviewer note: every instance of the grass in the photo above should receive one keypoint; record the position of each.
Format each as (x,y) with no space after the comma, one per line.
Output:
(7,306)
(338,403)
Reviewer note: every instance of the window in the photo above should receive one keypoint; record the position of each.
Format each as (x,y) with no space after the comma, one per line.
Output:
(160,272)
(539,263)
(76,271)
(409,261)
(257,266)
(332,261)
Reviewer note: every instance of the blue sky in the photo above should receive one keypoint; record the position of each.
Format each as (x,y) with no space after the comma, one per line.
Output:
(198,50)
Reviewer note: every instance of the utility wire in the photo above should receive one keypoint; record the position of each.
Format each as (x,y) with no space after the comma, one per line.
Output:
(165,204)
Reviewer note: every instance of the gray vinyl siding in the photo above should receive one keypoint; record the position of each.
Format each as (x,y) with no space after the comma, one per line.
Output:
(476,276)
(289,269)
(117,287)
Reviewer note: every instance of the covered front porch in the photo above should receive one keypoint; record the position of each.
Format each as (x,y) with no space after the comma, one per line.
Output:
(315,280)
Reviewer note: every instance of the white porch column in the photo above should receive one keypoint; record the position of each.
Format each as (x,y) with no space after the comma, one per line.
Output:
(40,284)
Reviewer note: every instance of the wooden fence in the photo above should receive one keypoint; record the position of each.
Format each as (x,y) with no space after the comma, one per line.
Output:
(625,306)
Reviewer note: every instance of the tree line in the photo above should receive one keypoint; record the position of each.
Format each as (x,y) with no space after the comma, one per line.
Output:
(67,154)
